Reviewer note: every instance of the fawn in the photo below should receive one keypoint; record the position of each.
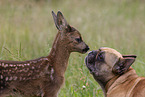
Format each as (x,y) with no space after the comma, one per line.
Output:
(44,76)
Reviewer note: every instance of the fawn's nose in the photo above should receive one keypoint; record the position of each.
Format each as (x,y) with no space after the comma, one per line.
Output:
(86,49)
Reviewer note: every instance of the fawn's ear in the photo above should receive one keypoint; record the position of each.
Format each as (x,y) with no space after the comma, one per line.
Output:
(123,64)
(55,20)
(60,22)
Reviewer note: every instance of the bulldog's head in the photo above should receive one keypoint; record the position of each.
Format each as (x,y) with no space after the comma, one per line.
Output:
(106,63)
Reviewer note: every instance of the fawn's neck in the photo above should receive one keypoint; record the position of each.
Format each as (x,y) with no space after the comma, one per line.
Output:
(59,55)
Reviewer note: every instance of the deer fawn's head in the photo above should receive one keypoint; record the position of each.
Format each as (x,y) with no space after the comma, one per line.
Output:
(70,37)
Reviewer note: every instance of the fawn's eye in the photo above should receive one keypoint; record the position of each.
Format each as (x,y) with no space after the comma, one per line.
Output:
(79,40)
(100,57)
(69,28)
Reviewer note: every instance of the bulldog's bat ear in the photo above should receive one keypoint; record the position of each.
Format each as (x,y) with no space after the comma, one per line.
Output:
(123,64)
(132,56)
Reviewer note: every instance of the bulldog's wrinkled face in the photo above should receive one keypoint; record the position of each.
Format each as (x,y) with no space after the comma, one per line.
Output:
(106,63)
(100,62)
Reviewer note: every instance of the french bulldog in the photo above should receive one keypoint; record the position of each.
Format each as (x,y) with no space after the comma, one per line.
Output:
(114,73)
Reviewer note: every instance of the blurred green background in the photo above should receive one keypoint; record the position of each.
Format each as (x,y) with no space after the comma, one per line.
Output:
(27,32)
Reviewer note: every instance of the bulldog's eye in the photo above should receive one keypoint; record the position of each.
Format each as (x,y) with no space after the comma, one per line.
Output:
(100,57)
(79,40)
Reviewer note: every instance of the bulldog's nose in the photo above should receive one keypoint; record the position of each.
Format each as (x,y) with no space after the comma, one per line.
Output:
(93,53)
(91,56)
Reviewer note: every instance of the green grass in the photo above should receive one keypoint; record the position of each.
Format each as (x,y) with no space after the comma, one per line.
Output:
(27,32)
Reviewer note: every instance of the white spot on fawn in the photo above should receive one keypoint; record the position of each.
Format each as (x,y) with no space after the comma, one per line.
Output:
(16,68)
(11,65)
(45,59)
(3,64)
(10,78)
(13,72)
(29,74)
(5,70)
(1,87)
(33,67)
(34,61)
(20,65)
(51,73)
(20,70)
(24,78)
(15,77)
(25,69)
(52,70)
(7,78)
(1,77)
(9,70)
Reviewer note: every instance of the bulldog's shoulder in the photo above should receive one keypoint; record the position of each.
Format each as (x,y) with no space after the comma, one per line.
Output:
(139,90)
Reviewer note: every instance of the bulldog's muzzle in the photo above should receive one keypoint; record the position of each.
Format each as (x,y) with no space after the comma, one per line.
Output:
(90,60)
(91,57)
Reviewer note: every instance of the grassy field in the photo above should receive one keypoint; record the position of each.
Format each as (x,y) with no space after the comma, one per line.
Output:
(27,32)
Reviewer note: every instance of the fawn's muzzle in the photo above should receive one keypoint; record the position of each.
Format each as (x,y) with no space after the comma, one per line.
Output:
(86,49)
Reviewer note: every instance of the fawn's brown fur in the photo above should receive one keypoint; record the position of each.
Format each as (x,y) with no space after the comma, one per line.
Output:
(44,76)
